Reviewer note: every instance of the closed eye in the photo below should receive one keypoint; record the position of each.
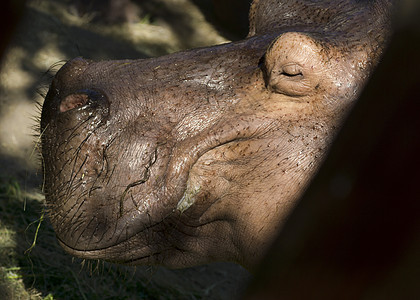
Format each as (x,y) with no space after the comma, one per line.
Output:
(291,74)
(291,70)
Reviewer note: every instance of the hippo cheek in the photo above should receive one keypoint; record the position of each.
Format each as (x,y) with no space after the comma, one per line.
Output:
(238,188)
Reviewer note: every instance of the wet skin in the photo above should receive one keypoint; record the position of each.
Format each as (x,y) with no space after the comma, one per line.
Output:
(199,156)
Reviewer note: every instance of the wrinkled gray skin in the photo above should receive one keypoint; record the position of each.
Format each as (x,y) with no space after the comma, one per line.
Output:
(199,156)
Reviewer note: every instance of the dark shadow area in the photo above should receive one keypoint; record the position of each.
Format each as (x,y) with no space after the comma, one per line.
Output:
(356,232)
(229,17)
(27,178)
(10,15)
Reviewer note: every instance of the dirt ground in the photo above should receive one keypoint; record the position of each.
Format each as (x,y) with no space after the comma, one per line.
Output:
(51,32)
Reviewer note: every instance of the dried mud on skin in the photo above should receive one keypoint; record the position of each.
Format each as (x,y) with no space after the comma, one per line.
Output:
(49,34)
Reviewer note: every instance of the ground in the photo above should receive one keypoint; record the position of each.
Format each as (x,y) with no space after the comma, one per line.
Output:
(50,33)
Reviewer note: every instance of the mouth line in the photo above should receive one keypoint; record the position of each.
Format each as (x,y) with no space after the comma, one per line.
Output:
(91,250)
(137,253)
(103,253)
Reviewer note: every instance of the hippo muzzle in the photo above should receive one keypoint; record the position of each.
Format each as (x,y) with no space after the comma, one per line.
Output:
(199,156)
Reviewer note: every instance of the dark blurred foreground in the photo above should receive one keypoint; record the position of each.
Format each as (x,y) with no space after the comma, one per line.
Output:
(356,232)
(10,14)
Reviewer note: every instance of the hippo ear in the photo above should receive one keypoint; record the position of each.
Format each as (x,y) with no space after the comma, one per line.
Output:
(294,65)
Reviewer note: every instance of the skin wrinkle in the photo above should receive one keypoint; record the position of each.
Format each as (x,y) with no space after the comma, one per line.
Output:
(241,135)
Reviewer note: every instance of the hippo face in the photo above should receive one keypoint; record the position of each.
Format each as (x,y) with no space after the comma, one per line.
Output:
(200,155)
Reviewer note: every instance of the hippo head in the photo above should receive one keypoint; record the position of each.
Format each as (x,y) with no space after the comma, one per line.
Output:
(199,156)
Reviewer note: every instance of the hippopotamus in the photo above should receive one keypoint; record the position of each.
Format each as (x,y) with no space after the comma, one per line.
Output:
(201,155)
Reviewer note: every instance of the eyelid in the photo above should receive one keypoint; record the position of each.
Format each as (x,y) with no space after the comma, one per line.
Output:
(292,69)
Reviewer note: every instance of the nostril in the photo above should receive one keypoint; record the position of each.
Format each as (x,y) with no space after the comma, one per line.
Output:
(82,98)
(73,101)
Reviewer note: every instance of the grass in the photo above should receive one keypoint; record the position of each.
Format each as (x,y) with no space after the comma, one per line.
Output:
(33,266)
